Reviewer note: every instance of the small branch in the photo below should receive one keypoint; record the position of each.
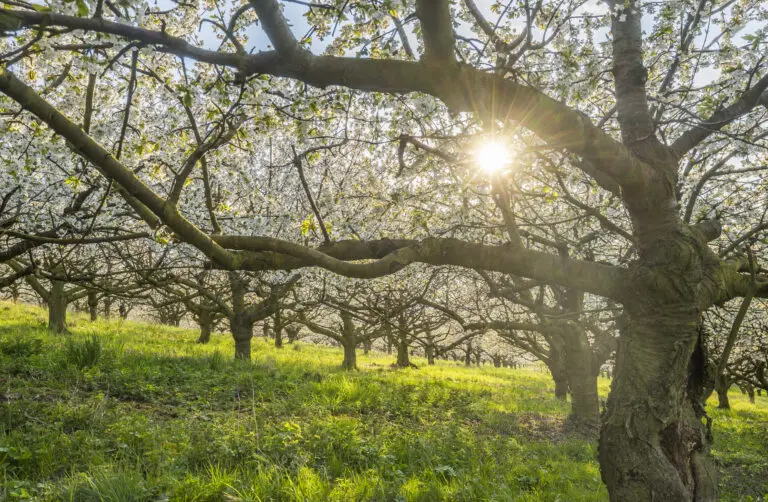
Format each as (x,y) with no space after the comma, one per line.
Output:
(298,164)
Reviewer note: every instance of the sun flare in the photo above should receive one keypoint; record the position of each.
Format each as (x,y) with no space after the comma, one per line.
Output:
(493,157)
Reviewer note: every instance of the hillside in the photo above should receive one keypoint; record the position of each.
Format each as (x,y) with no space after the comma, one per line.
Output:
(126,411)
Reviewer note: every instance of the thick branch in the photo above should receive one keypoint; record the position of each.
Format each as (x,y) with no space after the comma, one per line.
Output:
(436,30)
(390,256)
(720,119)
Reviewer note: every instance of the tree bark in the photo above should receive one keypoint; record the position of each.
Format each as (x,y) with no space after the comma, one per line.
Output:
(722,384)
(242,332)
(293,332)
(348,342)
(430,353)
(266,329)
(403,358)
(205,320)
(653,444)
(107,307)
(93,305)
(57,308)
(582,377)
(468,354)
(557,368)
(751,394)
(278,330)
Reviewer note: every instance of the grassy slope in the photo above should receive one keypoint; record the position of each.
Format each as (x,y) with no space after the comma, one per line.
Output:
(159,417)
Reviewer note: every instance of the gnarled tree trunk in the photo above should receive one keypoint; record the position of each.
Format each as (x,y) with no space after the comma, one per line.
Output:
(653,443)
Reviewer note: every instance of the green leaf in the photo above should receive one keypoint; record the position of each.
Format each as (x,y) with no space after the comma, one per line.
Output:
(82,8)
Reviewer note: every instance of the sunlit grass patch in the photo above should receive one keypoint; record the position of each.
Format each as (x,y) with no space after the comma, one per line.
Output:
(156,416)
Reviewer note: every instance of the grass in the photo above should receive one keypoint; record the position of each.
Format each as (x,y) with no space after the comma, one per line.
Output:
(120,411)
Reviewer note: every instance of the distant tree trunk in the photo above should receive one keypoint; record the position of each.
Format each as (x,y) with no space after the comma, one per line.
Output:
(292,331)
(468,354)
(403,358)
(242,332)
(205,320)
(123,310)
(751,394)
(721,387)
(389,345)
(496,361)
(107,307)
(348,342)
(278,330)
(57,308)
(430,353)
(93,305)
(15,290)
(265,329)
(582,377)
(367,346)
(240,323)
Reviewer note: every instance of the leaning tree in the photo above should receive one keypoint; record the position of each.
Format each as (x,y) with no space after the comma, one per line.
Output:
(637,117)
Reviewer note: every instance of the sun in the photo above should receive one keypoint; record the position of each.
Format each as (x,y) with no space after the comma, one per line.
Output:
(493,157)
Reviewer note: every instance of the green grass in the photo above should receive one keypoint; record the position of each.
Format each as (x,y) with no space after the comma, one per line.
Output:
(120,411)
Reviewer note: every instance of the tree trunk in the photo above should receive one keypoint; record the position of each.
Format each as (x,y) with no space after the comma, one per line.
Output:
(403,358)
(107,307)
(721,387)
(751,394)
(367,346)
(348,341)
(205,320)
(278,330)
(557,368)
(293,332)
(389,345)
(350,356)
(242,332)
(57,308)
(93,305)
(468,354)
(653,444)
(582,378)
(430,353)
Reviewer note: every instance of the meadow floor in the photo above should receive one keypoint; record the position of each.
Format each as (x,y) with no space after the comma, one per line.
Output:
(121,411)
